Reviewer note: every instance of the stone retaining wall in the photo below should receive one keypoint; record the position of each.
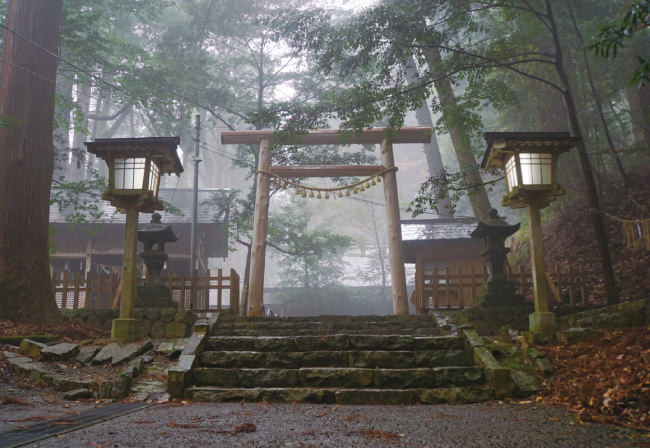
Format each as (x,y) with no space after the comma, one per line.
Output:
(155,323)
(488,320)
(622,315)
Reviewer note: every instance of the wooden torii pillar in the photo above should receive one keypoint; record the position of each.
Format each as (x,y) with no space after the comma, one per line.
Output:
(327,137)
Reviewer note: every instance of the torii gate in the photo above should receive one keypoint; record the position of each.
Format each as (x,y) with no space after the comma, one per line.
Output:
(328,137)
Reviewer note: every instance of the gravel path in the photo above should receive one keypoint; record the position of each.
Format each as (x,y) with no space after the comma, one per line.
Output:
(276,425)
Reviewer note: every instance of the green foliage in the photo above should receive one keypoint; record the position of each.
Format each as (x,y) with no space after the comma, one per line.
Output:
(451,184)
(309,256)
(634,20)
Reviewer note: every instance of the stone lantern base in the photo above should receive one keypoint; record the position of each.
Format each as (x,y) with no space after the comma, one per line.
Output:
(154,295)
(542,322)
(501,292)
(124,330)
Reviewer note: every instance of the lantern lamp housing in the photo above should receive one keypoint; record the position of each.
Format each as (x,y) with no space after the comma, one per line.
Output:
(529,162)
(134,169)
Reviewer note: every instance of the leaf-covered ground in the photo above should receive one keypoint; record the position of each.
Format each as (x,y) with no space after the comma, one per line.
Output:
(605,379)
(71,330)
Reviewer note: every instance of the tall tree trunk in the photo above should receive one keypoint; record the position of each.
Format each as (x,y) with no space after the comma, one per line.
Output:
(597,100)
(431,149)
(27,160)
(459,136)
(595,213)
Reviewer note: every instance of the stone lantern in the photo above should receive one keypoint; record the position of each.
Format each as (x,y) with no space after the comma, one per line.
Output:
(494,231)
(134,169)
(154,293)
(529,162)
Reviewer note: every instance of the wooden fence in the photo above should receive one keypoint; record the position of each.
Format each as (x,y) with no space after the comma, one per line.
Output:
(438,289)
(88,291)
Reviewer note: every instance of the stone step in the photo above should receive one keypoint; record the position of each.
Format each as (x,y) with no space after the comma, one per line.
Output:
(326,318)
(396,359)
(452,395)
(340,377)
(308,332)
(332,343)
(322,326)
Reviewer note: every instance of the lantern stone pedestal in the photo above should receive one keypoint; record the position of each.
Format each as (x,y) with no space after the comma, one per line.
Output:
(154,293)
(494,231)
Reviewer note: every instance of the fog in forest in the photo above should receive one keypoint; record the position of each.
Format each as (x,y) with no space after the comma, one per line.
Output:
(148,68)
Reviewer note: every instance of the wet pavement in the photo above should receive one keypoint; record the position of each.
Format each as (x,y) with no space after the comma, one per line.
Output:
(494,424)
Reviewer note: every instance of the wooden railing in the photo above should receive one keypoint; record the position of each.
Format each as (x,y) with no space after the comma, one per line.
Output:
(87,291)
(457,290)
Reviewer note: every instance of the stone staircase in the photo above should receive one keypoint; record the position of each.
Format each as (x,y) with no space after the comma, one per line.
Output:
(335,359)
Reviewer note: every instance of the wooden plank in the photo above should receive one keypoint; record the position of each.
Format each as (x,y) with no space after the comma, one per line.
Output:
(206,290)
(326,171)
(111,289)
(435,287)
(117,294)
(181,304)
(413,134)
(75,299)
(473,278)
(260,230)
(461,304)
(234,291)
(193,290)
(87,290)
(170,283)
(219,288)
(99,303)
(64,300)
(394,232)
(582,286)
(554,289)
(448,287)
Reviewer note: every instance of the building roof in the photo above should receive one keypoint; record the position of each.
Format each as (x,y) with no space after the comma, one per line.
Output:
(437,229)
(181,198)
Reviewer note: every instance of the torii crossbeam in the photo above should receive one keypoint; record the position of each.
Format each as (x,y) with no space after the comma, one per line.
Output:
(264,139)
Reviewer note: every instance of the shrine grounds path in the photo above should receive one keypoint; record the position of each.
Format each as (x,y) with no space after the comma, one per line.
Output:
(493,424)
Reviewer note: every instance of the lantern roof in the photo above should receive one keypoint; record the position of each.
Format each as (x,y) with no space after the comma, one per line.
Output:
(163,149)
(500,143)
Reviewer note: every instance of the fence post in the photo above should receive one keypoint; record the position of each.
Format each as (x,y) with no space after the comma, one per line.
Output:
(64,299)
(234,291)
(582,286)
(472,284)
(461,303)
(206,291)
(183,285)
(75,299)
(219,288)
(111,289)
(87,290)
(435,287)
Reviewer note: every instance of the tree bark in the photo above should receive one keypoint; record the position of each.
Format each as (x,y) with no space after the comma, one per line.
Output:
(595,213)
(459,136)
(432,149)
(27,160)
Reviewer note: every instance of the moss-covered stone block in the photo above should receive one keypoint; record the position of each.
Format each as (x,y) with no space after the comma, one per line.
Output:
(157,330)
(167,314)
(31,348)
(124,330)
(175,330)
